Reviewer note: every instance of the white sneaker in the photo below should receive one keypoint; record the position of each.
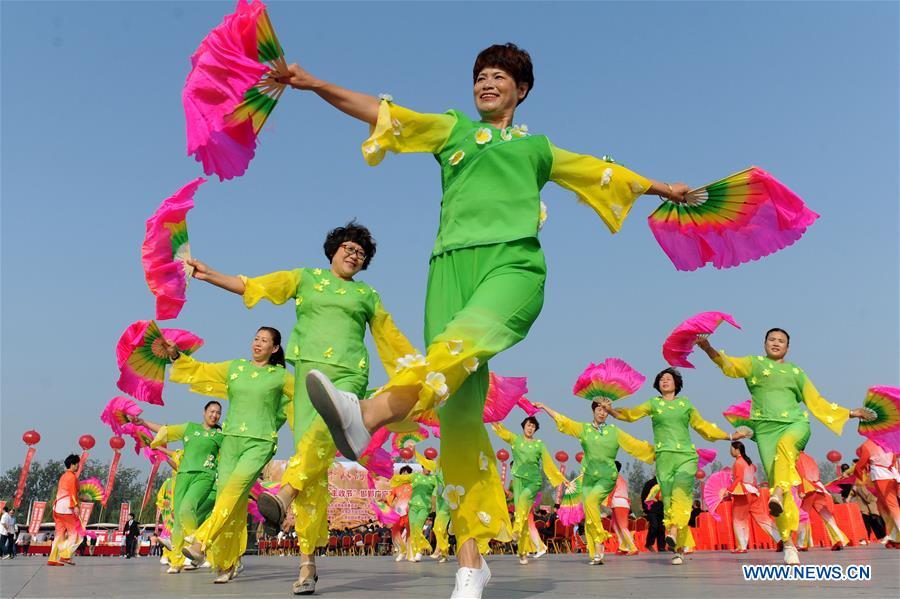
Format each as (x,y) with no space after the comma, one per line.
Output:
(790,555)
(678,559)
(540,553)
(341,412)
(167,543)
(223,577)
(173,570)
(470,582)
(523,560)
(400,556)
(189,565)
(442,559)
(417,558)
(164,561)
(206,564)
(237,569)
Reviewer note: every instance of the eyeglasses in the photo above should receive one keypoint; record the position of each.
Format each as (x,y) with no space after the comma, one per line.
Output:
(352,251)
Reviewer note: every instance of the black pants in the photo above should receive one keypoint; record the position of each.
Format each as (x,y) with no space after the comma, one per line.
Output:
(130,546)
(874,525)
(8,545)
(656,532)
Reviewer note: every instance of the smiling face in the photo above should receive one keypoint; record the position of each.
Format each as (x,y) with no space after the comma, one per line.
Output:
(776,345)
(263,346)
(348,260)
(529,429)
(212,414)
(667,383)
(497,93)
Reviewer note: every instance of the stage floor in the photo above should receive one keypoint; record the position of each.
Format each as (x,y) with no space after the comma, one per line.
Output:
(705,574)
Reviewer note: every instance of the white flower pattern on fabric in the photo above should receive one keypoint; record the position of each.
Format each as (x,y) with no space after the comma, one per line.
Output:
(410,361)
(505,135)
(542,216)
(455,346)
(386,97)
(485,518)
(483,461)
(607,177)
(483,135)
(519,130)
(457,157)
(471,365)
(453,495)
(371,147)
(438,382)
(636,187)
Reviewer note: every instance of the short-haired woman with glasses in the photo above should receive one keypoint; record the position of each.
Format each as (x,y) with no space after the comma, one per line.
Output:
(332,309)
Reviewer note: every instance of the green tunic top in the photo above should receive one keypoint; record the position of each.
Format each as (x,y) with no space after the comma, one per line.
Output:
(258,396)
(423,486)
(601,446)
(332,314)
(672,420)
(491,178)
(529,457)
(201,445)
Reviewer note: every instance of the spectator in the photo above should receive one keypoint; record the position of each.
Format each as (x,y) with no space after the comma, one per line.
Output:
(695,511)
(653,510)
(8,533)
(132,532)
(868,506)
(24,541)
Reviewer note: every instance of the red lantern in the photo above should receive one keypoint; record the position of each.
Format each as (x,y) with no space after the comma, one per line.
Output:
(431,453)
(700,475)
(834,456)
(562,456)
(579,456)
(117,442)
(31,437)
(86,442)
(406,453)
(502,455)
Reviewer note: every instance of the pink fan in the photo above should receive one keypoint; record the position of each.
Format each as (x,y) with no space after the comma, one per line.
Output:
(705,456)
(118,413)
(231,90)
(400,440)
(715,489)
(835,485)
(142,358)
(377,461)
(383,512)
(680,342)
(504,392)
(611,379)
(738,414)
(571,509)
(743,217)
(166,250)
(527,406)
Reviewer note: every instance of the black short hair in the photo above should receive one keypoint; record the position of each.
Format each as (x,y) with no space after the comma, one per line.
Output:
(778,330)
(679,383)
(510,58)
(354,232)
(71,460)
(212,402)
(406,470)
(618,466)
(532,420)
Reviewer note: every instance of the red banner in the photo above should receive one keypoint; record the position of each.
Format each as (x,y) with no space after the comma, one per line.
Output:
(2,504)
(81,463)
(84,511)
(111,478)
(559,491)
(149,490)
(36,516)
(123,515)
(20,490)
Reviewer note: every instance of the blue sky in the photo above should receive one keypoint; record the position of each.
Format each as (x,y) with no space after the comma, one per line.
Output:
(677,91)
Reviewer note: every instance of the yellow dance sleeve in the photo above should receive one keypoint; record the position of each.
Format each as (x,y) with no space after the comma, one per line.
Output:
(608,188)
(429,465)
(167,434)
(286,409)
(830,414)
(635,413)
(400,479)
(390,342)
(401,130)
(205,378)
(641,450)
(552,473)
(736,368)
(504,433)
(277,287)
(567,426)
(708,430)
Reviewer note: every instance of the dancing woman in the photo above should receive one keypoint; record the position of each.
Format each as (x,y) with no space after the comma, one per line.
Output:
(672,417)
(746,501)
(258,391)
(486,276)
(65,515)
(620,504)
(530,456)
(441,510)
(333,309)
(600,442)
(398,499)
(815,497)
(421,502)
(878,465)
(196,477)
(778,391)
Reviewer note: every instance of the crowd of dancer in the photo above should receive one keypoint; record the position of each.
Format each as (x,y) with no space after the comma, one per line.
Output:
(485,289)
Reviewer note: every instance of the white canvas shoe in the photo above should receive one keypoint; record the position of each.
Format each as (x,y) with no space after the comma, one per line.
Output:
(173,570)
(678,559)
(341,412)
(470,582)
(224,576)
(791,556)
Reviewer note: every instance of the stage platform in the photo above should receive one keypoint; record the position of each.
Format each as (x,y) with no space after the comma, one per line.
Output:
(705,574)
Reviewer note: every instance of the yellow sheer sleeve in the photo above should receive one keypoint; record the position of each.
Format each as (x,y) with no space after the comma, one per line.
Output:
(400,479)
(390,342)
(277,287)
(830,414)
(429,465)
(504,433)
(286,409)
(708,430)
(635,413)
(608,188)
(167,434)
(205,378)
(736,368)
(641,450)
(567,426)
(401,130)
(550,470)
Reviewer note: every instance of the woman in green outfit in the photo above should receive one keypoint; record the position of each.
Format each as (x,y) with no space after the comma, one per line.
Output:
(600,442)
(258,391)
(332,310)
(779,391)
(421,504)
(672,417)
(486,276)
(441,510)
(529,456)
(196,477)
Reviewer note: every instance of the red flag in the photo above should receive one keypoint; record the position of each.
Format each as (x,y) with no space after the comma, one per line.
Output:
(81,463)
(150,480)
(20,490)
(111,478)
(124,510)
(37,515)
(84,511)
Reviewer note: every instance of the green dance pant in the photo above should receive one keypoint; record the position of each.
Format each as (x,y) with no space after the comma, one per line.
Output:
(417,541)
(594,492)
(441,534)
(779,444)
(676,473)
(524,493)
(314,450)
(191,498)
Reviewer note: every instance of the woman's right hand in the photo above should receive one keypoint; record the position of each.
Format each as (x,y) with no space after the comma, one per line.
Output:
(171,348)
(298,78)
(539,405)
(202,271)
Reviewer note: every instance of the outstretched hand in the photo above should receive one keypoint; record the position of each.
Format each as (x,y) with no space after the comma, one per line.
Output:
(171,348)
(201,269)
(678,193)
(539,405)
(864,414)
(297,77)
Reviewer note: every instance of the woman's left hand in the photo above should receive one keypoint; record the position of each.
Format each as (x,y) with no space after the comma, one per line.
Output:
(864,414)
(678,193)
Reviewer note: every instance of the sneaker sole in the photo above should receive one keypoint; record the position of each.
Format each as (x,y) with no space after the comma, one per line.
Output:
(271,510)
(775,509)
(186,552)
(322,402)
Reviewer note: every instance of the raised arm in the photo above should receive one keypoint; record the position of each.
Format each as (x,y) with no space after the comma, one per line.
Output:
(565,425)
(736,368)
(504,433)
(204,272)
(710,430)
(356,104)
(629,414)
(642,450)
(168,433)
